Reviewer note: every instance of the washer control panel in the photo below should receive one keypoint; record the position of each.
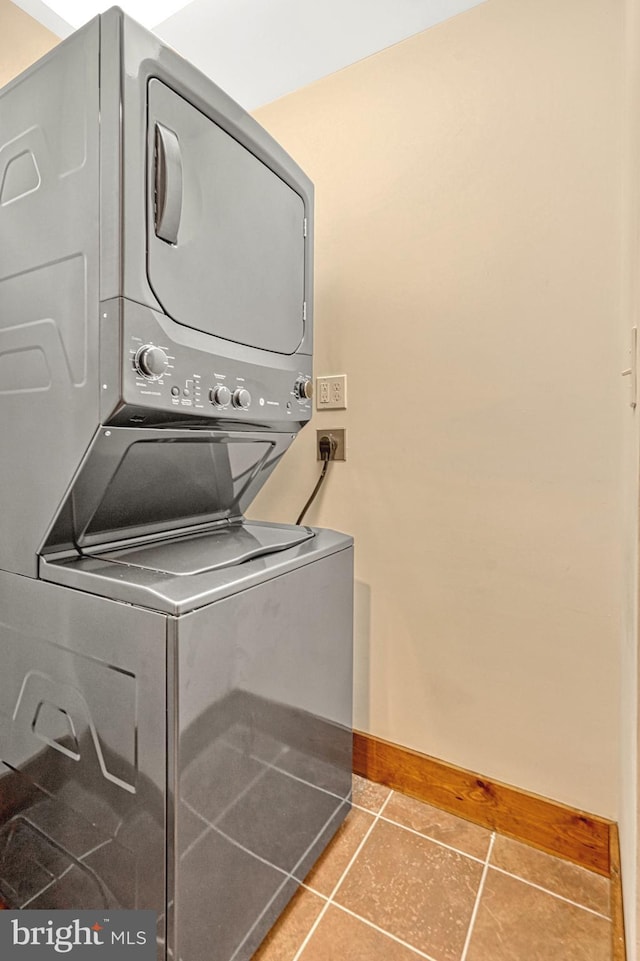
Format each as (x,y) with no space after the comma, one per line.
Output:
(185,381)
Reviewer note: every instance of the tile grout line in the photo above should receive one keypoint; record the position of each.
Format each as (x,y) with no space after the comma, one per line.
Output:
(272,765)
(359,848)
(376,927)
(301,780)
(554,894)
(329,900)
(59,877)
(370,924)
(230,804)
(476,905)
(46,888)
(213,826)
(258,857)
(199,837)
(427,837)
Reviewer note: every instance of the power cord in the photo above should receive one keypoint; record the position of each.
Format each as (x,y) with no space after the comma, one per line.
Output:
(328,446)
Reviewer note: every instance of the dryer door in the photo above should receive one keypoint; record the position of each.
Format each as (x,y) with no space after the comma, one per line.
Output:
(225,239)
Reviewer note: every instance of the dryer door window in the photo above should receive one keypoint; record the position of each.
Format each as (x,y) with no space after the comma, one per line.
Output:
(225,247)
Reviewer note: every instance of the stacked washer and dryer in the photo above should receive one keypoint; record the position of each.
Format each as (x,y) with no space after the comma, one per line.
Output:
(176,681)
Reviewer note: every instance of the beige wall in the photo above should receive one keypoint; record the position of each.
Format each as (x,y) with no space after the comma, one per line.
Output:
(468,258)
(22,41)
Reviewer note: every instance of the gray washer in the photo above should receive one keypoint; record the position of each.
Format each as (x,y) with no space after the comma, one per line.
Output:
(194,763)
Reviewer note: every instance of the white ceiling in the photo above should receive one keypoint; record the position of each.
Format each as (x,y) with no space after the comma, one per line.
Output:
(259,50)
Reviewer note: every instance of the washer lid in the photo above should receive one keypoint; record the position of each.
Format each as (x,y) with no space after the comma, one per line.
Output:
(176,595)
(225,234)
(226,546)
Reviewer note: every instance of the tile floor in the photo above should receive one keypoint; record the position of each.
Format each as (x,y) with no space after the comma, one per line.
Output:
(402,880)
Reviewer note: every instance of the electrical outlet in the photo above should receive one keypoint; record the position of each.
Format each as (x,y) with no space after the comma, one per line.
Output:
(340,436)
(331,392)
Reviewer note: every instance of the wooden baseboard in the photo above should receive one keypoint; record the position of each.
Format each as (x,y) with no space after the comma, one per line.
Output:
(618,951)
(553,827)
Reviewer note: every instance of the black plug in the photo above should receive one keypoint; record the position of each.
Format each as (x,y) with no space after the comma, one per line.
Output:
(327,447)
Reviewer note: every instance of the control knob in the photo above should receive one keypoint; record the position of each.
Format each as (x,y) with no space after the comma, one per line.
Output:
(303,388)
(151,361)
(220,396)
(241,398)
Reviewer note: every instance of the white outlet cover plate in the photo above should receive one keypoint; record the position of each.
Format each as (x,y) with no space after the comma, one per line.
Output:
(331,392)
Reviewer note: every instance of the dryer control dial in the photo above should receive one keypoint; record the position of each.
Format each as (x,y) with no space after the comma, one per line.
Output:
(303,388)
(151,361)
(220,396)
(241,398)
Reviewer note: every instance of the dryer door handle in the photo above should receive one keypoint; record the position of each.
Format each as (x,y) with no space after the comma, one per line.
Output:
(168,186)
